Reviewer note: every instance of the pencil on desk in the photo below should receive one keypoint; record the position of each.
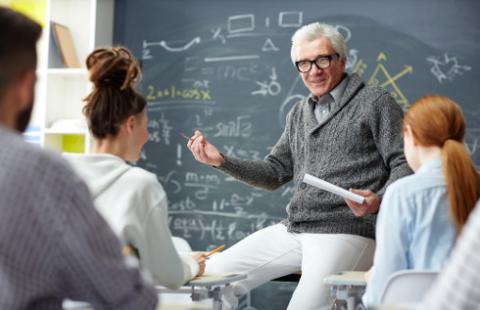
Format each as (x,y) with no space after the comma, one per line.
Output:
(215,250)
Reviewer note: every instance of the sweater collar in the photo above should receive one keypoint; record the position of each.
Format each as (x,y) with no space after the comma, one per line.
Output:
(354,84)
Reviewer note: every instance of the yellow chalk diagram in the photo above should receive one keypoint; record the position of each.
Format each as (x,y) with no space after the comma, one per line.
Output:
(382,77)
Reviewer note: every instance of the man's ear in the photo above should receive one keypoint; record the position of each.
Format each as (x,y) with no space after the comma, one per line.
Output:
(343,61)
(25,89)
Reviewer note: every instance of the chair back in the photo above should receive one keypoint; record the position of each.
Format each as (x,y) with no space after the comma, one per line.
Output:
(407,286)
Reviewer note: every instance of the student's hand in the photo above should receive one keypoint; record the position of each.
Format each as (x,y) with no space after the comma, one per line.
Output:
(203,151)
(369,206)
(201,258)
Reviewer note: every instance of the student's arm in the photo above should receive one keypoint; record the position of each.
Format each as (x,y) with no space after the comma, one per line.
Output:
(158,254)
(92,267)
(392,243)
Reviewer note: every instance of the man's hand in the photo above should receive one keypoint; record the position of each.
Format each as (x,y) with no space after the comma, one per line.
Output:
(369,206)
(203,151)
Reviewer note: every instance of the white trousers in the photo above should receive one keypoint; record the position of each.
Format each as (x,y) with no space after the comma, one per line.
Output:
(273,252)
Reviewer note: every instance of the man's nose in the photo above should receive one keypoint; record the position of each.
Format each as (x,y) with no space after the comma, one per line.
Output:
(315,70)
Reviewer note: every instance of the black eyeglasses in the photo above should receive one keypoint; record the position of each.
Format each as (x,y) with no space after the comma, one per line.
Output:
(321,62)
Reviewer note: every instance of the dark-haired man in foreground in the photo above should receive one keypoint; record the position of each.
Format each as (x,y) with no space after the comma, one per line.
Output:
(53,244)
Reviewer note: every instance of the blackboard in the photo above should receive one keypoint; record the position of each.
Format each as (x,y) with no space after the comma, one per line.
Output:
(224,67)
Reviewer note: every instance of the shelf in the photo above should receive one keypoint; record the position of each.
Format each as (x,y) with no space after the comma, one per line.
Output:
(61,90)
(67,142)
(65,132)
(68,72)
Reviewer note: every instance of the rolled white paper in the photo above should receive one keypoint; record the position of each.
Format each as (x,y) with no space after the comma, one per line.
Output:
(326,186)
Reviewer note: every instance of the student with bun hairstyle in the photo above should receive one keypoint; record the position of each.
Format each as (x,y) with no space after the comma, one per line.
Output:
(421,215)
(130,199)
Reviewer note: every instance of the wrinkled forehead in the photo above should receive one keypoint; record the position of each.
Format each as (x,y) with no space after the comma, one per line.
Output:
(312,49)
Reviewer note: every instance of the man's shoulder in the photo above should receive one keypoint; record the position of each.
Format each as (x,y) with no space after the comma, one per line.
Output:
(373,99)
(366,92)
(29,160)
(297,109)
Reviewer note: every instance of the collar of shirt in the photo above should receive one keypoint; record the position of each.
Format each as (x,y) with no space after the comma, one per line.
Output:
(336,93)
(432,165)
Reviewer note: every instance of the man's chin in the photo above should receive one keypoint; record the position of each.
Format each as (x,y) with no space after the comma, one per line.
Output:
(319,90)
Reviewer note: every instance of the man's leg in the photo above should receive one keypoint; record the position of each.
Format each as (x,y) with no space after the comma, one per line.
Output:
(324,254)
(264,255)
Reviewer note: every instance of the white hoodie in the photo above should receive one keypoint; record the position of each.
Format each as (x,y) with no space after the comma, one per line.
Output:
(134,203)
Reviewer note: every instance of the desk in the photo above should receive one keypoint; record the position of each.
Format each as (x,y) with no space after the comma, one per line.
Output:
(206,286)
(348,286)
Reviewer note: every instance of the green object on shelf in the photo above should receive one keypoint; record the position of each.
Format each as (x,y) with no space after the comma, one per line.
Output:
(72,143)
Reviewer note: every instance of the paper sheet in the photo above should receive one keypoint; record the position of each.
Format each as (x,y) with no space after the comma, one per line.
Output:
(329,187)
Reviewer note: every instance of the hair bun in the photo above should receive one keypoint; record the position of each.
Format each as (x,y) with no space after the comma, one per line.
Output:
(113,67)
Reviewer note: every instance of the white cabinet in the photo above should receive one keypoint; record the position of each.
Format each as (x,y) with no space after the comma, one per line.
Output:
(60,90)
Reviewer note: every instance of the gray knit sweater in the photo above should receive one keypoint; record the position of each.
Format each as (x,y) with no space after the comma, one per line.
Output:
(358,146)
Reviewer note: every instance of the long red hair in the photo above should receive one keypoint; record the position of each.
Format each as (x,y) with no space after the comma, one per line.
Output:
(438,121)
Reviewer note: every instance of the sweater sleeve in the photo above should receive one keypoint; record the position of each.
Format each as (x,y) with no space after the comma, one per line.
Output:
(386,126)
(270,173)
(157,251)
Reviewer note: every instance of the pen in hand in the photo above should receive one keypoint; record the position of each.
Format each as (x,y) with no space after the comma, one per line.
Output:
(185,136)
(215,250)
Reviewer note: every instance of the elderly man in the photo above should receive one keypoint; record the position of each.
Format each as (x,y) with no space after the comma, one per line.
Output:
(346,133)
(53,244)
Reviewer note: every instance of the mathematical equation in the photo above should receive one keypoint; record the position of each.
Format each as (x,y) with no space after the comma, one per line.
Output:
(174,92)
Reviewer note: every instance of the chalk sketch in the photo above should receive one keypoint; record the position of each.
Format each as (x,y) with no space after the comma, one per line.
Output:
(238,152)
(382,77)
(272,88)
(217,34)
(146,54)
(179,154)
(290,19)
(159,130)
(344,31)
(170,182)
(269,46)
(174,92)
(446,68)
(166,46)
(217,226)
(241,126)
(241,23)
(472,141)
(351,59)
(231,58)
(290,100)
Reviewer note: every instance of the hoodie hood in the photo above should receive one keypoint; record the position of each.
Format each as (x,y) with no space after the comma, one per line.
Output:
(99,171)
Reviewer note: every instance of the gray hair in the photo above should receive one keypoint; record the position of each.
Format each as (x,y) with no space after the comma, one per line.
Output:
(313,31)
